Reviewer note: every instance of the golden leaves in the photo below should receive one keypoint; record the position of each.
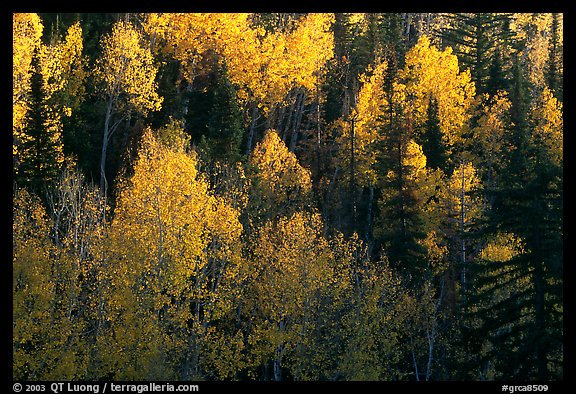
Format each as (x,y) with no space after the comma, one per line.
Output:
(264,66)
(26,34)
(279,180)
(126,66)
(502,248)
(492,125)
(171,238)
(369,108)
(61,69)
(433,74)
(548,126)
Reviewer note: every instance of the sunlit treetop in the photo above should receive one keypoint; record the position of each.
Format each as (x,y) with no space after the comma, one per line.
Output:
(430,73)
(26,34)
(126,67)
(370,105)
(548,126)
(264,66)
(279,183)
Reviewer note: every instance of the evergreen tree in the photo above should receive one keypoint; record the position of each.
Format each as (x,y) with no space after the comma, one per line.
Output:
(496,75)
(215,119)
(40,155)
(517,297)
(401,226)
(554,66)
(475,39)
(432,144)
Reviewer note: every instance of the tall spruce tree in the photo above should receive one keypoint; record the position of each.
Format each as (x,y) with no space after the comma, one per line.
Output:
(475,38)
(400,226)
(38,160)
(516,300)
(554,66)
(431,139)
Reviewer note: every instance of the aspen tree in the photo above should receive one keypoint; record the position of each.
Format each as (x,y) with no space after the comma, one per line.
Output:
(127,74)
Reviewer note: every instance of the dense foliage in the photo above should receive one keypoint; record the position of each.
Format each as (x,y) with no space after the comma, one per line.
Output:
(288,196)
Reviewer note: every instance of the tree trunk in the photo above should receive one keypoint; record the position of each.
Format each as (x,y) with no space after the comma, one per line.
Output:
(103,182)
(353,173)
(252,129)
(462,220)
(414,359)
(297,121)
(369,219)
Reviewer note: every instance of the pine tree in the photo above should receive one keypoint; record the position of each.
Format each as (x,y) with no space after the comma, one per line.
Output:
(400,227)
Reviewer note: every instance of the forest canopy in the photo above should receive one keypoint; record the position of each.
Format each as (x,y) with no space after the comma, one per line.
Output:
(288,196)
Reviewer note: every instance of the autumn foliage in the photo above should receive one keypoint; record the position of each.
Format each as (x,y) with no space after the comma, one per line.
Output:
(316,196)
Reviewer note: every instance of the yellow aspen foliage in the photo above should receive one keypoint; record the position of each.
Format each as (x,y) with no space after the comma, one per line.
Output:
(415,175)
(415,160)
(548,126)
(366,114)
(366,297)
(372,326)
(491,127)
(26,34)
(433,74)
(287,60)
(437,252)
(61,66)
(175,249)
(224,354)
(32,287)
(500,250)
(63,71)
(534,28)
(291,267)
(190,37)
(309,47)
(46,334)
(459,198)
(126,74)
(280,185)
(264,66)
(126,69)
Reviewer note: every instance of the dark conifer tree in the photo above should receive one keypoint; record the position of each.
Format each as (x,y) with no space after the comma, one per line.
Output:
(475,39)
(432,144)
(517,304)
(39,163)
